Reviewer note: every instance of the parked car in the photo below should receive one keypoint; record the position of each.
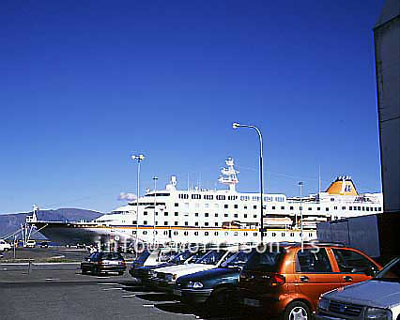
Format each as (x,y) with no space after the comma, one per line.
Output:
(216,287)
(145,273)
(377,299)
(288,280)
(165,278)
(44,244)
(151,258)
(103,262)
(4,245)
(30,244)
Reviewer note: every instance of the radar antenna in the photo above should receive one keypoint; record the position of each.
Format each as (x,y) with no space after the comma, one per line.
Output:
(229,175)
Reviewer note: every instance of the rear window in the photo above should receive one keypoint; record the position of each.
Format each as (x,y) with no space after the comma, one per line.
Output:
(110,256)
(94,256)
(268,261)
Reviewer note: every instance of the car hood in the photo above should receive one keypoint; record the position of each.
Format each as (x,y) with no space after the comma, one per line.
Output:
(161,265)
(211,274)
(185,269)
(373,293)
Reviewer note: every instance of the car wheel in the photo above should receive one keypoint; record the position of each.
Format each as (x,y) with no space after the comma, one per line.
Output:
(297,310)
(220,299)
(96,271)
(84,271)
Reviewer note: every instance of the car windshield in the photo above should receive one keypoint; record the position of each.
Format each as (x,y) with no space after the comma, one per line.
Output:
(142,258)
(391,272)
(268,261)
(212,257)
(239,259)
(181,257)
(165,256)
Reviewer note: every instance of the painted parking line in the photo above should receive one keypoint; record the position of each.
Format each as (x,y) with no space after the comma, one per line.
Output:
(109,289)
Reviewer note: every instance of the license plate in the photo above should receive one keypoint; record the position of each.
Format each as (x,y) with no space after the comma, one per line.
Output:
(251,302)
(177,293)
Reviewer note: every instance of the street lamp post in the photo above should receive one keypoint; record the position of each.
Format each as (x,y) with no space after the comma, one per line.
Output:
(236,125)
(154,213)
(301,184)
(139,158)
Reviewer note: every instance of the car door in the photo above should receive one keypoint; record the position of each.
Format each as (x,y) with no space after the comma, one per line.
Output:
(314,274)
(353,266)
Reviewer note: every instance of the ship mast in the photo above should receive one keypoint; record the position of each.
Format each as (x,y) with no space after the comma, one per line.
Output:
(229,175)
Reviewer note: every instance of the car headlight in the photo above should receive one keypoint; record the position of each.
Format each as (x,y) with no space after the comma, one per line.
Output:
(151,273)
(377,314)
(171,277)
(194,285)
(323,304)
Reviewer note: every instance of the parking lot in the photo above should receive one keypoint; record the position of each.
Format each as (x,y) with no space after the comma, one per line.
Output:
(60,291)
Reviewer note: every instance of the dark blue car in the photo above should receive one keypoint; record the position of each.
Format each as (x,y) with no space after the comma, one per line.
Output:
(216,287)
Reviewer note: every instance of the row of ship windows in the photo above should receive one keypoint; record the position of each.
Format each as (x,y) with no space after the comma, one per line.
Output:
(176,223)
(197,196)
(216,233)
(226,215)
(226,206)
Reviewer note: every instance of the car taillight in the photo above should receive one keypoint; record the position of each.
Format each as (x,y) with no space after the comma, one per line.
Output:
(277,280)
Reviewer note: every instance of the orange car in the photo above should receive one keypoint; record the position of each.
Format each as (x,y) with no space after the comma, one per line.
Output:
(287,280)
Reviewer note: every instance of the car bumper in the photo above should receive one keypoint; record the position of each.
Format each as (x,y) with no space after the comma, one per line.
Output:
(320,316)
(192,296)
(103,268)
(270,305)
(163,284)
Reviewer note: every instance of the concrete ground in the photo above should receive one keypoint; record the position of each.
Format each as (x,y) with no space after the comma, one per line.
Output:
(60,291)
(51,253)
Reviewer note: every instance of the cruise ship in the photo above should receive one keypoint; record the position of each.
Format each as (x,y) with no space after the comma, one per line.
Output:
(216,216)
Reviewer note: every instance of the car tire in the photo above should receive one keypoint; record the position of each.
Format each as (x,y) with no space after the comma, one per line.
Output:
(120,273)
(84,271)
(223,301)
(297,310)
(96,271)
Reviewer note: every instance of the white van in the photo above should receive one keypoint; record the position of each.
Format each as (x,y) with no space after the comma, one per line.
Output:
(4,246)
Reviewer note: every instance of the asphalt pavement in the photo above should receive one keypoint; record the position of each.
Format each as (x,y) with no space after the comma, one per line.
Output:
(60,291)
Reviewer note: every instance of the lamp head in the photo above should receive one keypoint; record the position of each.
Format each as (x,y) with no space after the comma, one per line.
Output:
(235,125)
(139,157)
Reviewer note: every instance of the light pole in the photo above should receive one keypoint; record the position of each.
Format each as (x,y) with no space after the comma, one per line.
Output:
(139,158)
(301,184)
(154,214)
(236,125)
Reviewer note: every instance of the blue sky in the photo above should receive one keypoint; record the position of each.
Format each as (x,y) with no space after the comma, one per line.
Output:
(84,84)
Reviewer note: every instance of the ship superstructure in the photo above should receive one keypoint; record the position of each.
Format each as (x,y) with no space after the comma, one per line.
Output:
(218,216)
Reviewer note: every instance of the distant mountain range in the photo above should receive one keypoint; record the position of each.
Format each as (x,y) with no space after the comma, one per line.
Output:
(10,223)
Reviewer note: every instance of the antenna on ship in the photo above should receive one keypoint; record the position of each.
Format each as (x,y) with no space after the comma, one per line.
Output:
(319,179)
(229,175)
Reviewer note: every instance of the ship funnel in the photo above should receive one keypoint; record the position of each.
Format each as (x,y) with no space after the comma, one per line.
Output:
(343,185)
